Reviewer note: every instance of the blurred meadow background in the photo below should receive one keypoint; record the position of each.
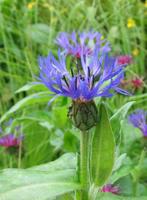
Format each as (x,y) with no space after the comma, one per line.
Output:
(28,29)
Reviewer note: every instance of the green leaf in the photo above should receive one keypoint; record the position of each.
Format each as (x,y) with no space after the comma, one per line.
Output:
(121,172)
(122,112)
(60,116)
(40,97)
(40,182)
(108,196)
(38,33)
(119,161)
(137,97)
(102,149)
(66,161)
(119,115)
(30,86)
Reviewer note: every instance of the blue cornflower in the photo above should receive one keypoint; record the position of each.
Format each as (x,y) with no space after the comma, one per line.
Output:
(138,120)
(81,43)
(92,73)
(88,77)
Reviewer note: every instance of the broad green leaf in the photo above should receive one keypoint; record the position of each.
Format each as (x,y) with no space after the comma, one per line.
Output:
(60,116)
(137,97)
(127,187)
(40,97)
(42,117)
(122,112)
(30,86)
(121,172)
(122,168)
(119,161)
(66,161)
(109,196)
(39,33)
(119,115)
(130,135)
(40,182)
(56,139)
(102,149)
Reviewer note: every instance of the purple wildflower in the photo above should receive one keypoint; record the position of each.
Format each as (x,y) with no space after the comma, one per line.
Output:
(124,59)
(81,43)
(10,141)
(138,119)
(137,82)
(110,188)
(89,77)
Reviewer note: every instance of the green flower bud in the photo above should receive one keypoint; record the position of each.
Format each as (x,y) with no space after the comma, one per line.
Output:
(83,114)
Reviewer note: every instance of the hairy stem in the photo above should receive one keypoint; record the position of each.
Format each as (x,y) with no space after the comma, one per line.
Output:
(84,164)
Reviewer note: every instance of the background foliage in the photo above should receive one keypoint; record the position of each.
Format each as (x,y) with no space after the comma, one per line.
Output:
(27,30)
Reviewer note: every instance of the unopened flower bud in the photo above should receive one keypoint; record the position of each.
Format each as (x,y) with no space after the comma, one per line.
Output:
(84,114)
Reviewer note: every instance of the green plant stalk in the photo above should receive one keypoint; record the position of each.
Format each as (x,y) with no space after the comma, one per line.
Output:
(135,188)
(84,164)
(19,155)
(136,180)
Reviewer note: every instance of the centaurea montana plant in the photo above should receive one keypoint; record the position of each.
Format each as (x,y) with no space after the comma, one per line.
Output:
(97,75)
(91,73)
(139,120)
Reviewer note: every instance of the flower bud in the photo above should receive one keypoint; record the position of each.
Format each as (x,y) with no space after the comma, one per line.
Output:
(83,114)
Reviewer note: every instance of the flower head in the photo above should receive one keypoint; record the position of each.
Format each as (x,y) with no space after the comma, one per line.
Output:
(137,83)
(132,84)
(124,59)
(91,73)
(31,5)
(81,43)
(131,23)
(135,52)
(138,120)
(110,188)
(10,141)
(83,80)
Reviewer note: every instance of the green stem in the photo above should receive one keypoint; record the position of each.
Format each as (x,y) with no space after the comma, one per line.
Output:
(10,162)
(84,164)
(135,186)
(19,155)
(137,176)
(142,156)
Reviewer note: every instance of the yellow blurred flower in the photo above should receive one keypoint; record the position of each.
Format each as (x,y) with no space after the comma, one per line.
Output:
(30,5)
(135,52)
(145,4)
(131,23)
(102,37)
